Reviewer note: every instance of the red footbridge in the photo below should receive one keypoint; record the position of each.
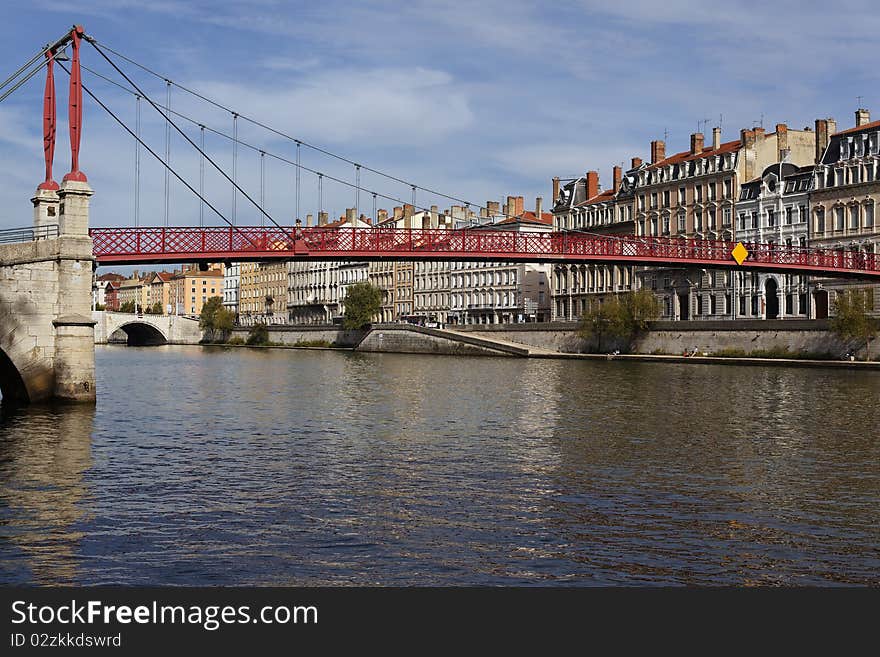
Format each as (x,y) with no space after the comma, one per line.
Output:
(128,246)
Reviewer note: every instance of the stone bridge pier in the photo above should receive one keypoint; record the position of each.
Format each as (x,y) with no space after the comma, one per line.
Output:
(47,343)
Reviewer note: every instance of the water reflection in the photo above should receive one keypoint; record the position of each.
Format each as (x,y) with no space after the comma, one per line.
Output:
(220,466)
(44,453)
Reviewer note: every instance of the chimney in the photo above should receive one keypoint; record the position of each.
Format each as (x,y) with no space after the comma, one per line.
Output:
(504,209)
(434,222)
(538,209)
(636,163)
(716,138)
(484,213)
(592,184)
(511,207)
(617,177)
(350,216)
(493,207)
(383,215)
(555,196)
(407,215)
(658,151)
(323,218)
(863,117)
(518,206)
(696,143)
(364,219)
(782,140)
(309,220)
(398,213)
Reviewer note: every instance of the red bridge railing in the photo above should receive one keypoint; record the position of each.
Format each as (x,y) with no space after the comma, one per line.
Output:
(190,244)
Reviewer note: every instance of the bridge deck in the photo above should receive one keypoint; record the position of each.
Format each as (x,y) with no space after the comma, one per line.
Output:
(249,243)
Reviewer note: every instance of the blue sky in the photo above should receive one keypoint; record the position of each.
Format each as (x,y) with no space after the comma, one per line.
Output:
(475,99)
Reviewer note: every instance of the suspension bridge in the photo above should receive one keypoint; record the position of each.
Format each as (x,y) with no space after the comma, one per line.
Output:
(46,333)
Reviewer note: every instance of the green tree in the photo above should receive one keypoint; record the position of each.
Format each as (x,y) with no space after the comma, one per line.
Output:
(258,335)
(127,307)
(621,316)
(852,319)
(216,320)
(362,301)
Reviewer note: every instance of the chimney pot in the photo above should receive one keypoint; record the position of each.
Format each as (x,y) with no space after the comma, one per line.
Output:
(716,138)
(555,189)
(696,143)
(309,220)
(863,117)
(539,202)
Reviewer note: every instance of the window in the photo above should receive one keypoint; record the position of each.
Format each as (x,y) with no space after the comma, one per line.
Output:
(653,199)
(742,220)
(754,219)
(698,193)
(728,187)
(789,215)
(699,304)
(854,217)
(682,226)
(666,199)
(681,196)
(838,218)
(820,220)
(711,191)
(726,217)
(713,304)
(771,218)
(869,214)
(666,225)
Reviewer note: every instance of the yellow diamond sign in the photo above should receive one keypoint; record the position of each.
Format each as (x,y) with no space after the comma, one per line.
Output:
(739,253)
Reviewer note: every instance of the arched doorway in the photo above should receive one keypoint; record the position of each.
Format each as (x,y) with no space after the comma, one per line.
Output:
(820,302)
(137,334)
(771,296)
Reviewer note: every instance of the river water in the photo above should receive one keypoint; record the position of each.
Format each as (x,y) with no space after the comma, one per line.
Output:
(216,466)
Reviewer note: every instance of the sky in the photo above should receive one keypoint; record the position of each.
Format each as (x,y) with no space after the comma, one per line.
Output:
(476,100)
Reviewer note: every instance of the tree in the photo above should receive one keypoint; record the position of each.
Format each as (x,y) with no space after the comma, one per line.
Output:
(156,308)
(127,307)
(216,319)
(852,319)
(362,301)
(621,316)
(258,335)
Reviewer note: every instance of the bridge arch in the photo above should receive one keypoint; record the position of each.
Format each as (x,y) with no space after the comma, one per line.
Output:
(139,334)
(12,385)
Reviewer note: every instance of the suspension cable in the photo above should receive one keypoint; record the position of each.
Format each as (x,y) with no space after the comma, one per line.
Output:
(201,174)
(137,163)
(167,145)
(283,134)
(161,161)
(254,148)
(184,135)
(297,181)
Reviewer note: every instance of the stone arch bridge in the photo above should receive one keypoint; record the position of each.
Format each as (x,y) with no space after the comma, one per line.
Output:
(142,329)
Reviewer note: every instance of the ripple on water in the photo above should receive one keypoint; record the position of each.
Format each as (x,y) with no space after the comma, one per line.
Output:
(304,468)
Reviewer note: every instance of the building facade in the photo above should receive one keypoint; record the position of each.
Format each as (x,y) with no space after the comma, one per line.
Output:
(773,210)
(190,289)
(846,191)
(262,293)
(582,206)
(692,194)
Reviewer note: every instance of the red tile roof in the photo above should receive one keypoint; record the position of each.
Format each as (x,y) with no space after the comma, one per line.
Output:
(685,156)
(546,218)
(858,128)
